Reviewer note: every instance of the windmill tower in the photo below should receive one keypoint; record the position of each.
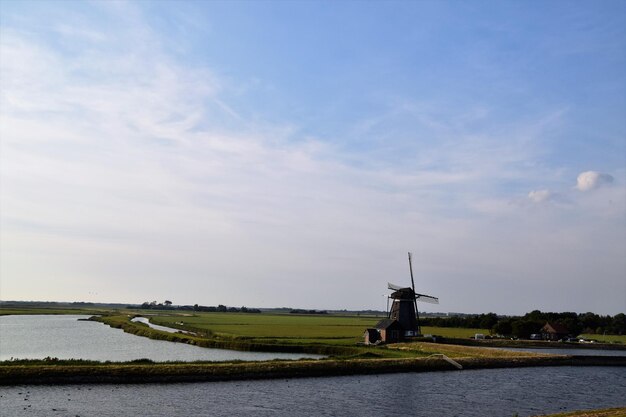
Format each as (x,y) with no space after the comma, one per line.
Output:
(404,305)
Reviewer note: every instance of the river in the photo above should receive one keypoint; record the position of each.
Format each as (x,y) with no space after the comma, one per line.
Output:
(67,337)
(475,393)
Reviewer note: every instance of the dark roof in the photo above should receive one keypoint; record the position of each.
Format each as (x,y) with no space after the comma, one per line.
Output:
(387,323)
(555,328)
(403,294)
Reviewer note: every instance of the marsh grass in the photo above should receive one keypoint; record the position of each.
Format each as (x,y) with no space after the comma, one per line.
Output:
(605,412)
(456,351)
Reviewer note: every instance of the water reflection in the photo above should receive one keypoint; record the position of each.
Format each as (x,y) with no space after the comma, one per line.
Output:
(65,337)
(476,393)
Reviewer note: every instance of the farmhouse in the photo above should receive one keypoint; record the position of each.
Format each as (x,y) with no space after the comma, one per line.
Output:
(554,331)
(386,331)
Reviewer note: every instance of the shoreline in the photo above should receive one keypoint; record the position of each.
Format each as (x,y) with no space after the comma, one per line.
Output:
(520,344)
(132,373)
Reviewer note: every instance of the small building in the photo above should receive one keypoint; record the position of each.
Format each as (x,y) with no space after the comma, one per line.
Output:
(372,337)
(390,330)
(554,331)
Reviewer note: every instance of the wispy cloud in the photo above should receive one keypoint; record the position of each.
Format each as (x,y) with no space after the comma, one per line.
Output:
(123,165)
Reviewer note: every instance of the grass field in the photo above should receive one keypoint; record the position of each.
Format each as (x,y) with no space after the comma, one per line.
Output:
(455,351)
(333,329)
(44,310)
(334,336)
(291,328)
(287,327)
(606,339)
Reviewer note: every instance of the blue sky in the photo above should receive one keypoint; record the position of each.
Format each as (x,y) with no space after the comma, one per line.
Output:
(290,153)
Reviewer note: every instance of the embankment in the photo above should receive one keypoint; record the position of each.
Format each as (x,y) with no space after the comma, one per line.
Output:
(28,373)
(140,329)
(506,343)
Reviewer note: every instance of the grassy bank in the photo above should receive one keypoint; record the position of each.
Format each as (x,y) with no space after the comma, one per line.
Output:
(46,310)
(83,372)
(507,343)
(609,338)
(210,340)
(606,412)
(319,335)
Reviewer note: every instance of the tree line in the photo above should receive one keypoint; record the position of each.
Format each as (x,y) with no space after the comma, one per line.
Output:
(524,326)
(167,305)
(302,311)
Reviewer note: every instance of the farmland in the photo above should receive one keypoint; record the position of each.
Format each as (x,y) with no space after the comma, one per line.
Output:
(335,336)
(288,328)
(609,338)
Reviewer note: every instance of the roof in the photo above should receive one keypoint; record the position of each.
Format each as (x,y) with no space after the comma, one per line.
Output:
(554,328)
(387,323)
(403,294)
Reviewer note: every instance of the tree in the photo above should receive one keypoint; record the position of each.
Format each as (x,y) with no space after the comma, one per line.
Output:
(590,321)
(524,328)
(167,303)
(618,324)
(487,321)
(503,327)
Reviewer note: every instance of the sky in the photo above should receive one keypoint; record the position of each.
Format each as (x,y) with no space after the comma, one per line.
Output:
(270,154)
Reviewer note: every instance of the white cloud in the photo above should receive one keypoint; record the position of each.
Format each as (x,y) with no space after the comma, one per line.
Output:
(540,196)
(591,180)
(116,169)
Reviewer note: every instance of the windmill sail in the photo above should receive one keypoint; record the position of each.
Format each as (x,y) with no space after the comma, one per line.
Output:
(394,287)
(427,298)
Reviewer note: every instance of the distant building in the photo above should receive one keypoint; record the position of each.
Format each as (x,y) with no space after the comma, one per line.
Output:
(390,330)
(554,331)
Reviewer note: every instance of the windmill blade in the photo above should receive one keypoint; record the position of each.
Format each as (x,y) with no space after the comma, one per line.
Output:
(427,298)
(394,287)
(411,269)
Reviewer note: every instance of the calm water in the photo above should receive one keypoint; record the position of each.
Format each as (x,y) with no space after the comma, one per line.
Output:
(478,393)
(65,337)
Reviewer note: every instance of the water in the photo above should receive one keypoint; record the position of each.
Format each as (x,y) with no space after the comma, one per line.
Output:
(65,337)
(157,327)
(476,393)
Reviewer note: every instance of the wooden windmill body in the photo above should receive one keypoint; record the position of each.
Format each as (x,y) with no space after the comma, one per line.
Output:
(404,305)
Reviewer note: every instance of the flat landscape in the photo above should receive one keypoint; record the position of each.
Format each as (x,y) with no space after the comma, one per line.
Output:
(289,328)
(335,336)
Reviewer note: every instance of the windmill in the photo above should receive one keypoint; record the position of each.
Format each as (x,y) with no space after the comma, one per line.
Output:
(404,306)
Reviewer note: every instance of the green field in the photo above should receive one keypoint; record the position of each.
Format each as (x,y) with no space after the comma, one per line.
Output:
(285,327)
(44,310)
(290,328)
(606,338)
